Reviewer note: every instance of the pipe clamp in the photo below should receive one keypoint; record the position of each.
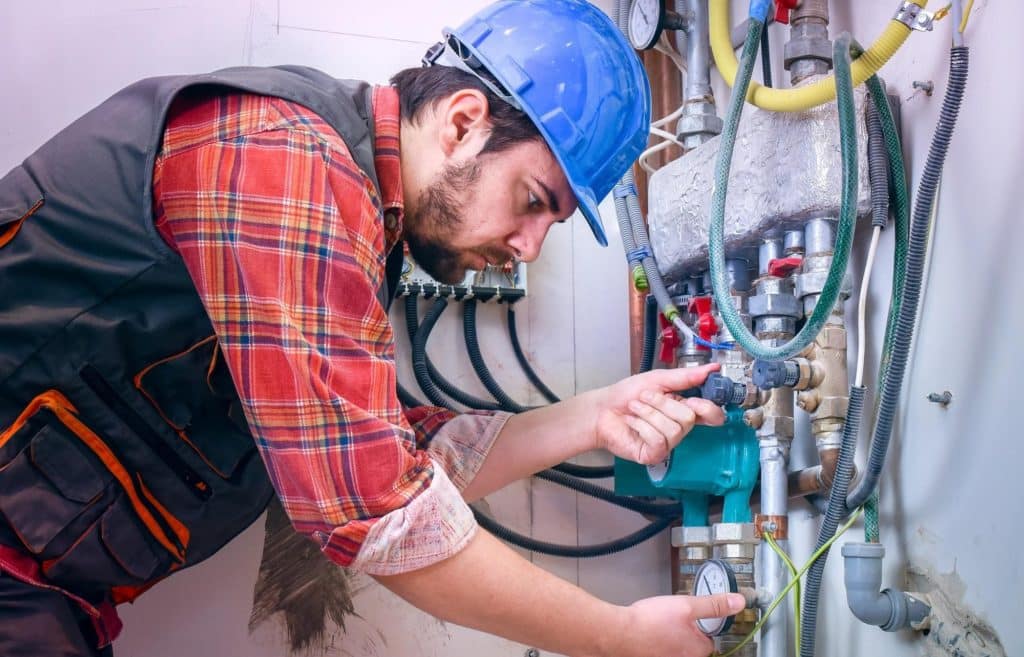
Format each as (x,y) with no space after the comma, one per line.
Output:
(914,16)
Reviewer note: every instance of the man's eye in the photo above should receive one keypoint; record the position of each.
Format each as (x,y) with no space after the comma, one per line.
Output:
(533,201)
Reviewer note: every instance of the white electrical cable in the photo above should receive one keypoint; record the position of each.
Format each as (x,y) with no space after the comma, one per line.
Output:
(862,307)
(664,46)
(664,134)
(657,148)
(668,118)
(669,138)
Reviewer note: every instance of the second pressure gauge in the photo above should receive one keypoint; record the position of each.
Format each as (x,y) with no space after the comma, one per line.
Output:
(646,20)
(714,576)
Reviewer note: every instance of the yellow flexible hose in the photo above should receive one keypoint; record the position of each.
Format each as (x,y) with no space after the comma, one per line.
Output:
(801,98)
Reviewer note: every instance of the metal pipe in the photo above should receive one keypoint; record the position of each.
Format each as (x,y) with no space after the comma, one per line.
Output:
(770,249)
(698,50)
(808,51)
(819,236)
(772,574)
(775,323)
(700,121)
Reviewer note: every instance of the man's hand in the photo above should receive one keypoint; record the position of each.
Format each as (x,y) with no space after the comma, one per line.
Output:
(642,418)
(667,626)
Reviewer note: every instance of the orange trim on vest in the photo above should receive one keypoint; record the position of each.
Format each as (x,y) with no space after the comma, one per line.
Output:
(179,528)
(66,412)
(137,380)
(10,232)
(181,430)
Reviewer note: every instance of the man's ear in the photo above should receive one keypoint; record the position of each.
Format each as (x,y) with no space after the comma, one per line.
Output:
(465,123)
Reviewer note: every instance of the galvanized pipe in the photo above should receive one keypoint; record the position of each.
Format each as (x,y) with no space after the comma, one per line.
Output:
(700,121)
(698,49)
(775,435)
(772,572)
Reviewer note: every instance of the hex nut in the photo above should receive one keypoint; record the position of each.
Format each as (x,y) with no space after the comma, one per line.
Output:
(778,305)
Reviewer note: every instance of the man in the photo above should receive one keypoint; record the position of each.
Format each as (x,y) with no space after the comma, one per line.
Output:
(193,320)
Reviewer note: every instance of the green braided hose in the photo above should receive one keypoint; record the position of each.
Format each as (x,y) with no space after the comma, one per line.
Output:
(871,519)
(900,203)
(844,233)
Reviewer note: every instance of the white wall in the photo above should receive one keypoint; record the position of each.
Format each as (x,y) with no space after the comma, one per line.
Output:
(952,500)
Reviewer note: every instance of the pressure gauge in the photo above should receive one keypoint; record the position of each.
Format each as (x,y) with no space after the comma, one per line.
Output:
(714,576)
(646,20)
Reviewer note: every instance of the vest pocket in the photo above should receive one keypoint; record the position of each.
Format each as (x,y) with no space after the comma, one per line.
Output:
(193,392)
(20,197)
(86,518)
(47,486)
(114,551)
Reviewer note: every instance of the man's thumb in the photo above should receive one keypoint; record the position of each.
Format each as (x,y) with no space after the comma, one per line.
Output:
(718,605)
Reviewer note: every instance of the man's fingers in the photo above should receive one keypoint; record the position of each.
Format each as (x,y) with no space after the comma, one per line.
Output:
(655,446)
(682,378)
(707,412)
(668,415)
(716,606)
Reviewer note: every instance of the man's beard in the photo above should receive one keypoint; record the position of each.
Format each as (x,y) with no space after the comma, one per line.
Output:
(438,217)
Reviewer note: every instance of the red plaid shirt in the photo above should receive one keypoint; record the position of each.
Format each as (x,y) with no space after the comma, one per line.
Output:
(285,239)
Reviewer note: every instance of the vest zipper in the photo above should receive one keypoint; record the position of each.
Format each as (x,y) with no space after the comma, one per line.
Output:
(92,378)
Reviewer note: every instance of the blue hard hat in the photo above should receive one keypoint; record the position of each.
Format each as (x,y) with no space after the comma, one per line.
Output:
(566,65)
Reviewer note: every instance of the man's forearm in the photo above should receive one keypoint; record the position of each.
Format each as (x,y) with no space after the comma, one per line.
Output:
(538,439)
(489,587)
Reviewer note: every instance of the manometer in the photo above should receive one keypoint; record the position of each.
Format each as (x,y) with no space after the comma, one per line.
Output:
(646,20)
(715,576)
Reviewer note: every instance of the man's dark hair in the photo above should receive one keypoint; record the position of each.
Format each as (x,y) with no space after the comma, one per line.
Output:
(419,89)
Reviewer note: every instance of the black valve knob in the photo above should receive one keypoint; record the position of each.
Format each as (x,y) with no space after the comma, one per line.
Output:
(770,374)
(722,390)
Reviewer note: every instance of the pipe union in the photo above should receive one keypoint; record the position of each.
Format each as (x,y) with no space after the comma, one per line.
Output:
(698,124)
(775,305)
(813,282)
(807,47)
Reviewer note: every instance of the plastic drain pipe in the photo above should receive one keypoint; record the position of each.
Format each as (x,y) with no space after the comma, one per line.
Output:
(812,95)
(890,609)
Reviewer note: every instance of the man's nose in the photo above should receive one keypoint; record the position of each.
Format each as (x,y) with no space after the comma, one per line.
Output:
(528,239)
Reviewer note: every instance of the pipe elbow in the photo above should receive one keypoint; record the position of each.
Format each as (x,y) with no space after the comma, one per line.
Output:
(890,609)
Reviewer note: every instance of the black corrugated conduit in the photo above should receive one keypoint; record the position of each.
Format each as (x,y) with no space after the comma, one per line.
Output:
(523,362)
(572,551)
(892,383)
(829,524)
(407,398)
(419,354)
(650,333)
(477,359)
(432,376)
(660,509)
(585,471)
(878,168)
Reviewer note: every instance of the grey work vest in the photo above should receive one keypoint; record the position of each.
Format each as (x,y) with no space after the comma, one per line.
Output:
(123,452)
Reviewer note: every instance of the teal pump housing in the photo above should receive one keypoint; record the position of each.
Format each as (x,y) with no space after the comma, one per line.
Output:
(710,461)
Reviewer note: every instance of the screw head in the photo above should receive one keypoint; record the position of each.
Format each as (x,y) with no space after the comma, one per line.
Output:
(532,652)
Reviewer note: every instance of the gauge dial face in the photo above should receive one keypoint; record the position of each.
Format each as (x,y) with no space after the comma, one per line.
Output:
(645,22)
(715,576)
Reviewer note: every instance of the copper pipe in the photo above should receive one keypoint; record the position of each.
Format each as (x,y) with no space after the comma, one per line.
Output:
(666,97)
(818,478)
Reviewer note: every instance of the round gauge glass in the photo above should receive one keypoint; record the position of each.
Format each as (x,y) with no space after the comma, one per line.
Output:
(645,23)
(714,576)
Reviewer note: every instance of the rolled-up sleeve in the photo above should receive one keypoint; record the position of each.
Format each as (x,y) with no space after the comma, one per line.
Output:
(282,236)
